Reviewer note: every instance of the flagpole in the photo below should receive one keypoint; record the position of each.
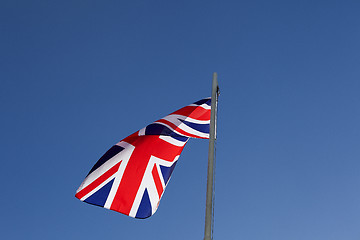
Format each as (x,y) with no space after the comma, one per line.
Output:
(210,173)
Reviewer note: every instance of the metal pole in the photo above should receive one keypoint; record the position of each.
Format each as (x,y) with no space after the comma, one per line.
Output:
(210,173)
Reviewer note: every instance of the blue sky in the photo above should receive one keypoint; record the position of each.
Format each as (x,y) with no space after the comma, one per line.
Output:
(78,76)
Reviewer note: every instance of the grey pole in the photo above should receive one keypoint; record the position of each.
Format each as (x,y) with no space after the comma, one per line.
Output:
(210,173)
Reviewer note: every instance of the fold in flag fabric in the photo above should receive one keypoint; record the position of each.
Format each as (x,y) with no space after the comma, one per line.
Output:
(131,176)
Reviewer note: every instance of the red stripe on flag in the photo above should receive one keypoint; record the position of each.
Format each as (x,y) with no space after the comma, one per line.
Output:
(194,112)
(157,180)
(98,181)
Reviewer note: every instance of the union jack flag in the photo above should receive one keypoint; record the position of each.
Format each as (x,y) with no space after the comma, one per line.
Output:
(131,176)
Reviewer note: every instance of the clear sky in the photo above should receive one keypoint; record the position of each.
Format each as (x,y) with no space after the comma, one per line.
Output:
(78,76)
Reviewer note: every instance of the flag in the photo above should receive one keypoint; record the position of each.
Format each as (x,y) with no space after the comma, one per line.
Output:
(131,176)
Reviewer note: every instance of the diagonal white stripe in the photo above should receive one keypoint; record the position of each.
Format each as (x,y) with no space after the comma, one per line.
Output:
(118,175)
